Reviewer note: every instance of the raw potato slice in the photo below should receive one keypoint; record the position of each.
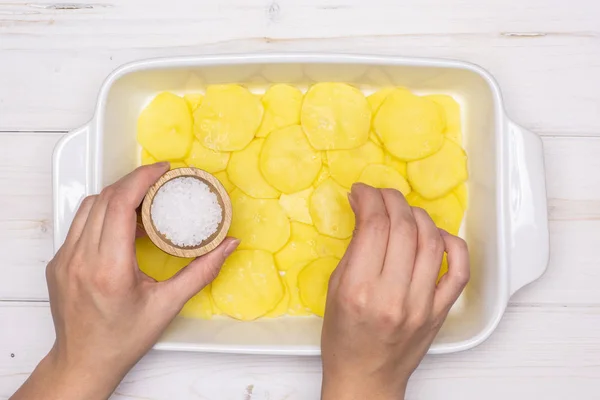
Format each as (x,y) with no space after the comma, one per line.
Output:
(395,163)
(446,211)
(323,175)
(461,194)
(248,285)
(244,172)
(335,116)
(259,223)
(375,139)
(282,105)
(147,158)
(410,127)
(376,99)
(225,181)
(193,100)
(287,160)
(295,307)
(164,127)
(381,176)
(296,205)
(438,174)
(227,118)
(306,244)
(346,165)
(330,210)
(283,305)
(452,113)
(313,281)
(199,306)
(151,260)
(178,164)
(207,159)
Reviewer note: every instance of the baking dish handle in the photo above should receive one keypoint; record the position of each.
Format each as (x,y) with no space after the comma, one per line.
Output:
(529,249)
(70,179)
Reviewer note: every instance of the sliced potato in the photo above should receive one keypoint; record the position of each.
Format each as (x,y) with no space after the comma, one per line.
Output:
(177,164)
(287,160)
(295,306)
(330,210)
(462,195)
(282,105)
(395,163)
(225,181)
(147,158)
(306,244)
(151,260)
(446,211)
(244,172)
(282,307)
(164,127)
(439,173)
(193,100)
(313,282)
(259,223)
(375,139)
(323,175)
(228,117)
(199,306)
(346,165)
(207,159)
(376,99)
(382,176)
(452,113)
(335,116)
(248,285)
(410,127)
(296,205)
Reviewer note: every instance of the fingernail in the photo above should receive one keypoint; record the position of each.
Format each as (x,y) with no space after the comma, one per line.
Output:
(163,164)
(351,200)
(443,232)
(230,248)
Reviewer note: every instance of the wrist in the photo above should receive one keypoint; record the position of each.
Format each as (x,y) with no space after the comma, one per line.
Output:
(360,388)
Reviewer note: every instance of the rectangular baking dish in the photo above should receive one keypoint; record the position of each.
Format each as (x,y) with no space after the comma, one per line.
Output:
(506,223)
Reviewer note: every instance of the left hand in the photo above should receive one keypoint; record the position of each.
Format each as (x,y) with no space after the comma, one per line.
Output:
(107,313)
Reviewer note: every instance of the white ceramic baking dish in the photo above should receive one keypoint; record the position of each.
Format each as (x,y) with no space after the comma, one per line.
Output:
(505,226)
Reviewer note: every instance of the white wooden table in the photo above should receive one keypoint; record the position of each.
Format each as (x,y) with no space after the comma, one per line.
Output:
(545,55)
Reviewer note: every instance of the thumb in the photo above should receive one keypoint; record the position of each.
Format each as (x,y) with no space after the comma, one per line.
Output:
(199,273)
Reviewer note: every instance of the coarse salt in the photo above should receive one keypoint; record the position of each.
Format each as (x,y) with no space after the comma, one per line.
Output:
(186,211)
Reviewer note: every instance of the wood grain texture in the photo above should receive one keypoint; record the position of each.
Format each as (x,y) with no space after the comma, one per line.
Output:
(161,241)
(545,54)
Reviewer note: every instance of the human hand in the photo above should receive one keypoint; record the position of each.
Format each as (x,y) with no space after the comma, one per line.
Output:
(107,313)
(383,305)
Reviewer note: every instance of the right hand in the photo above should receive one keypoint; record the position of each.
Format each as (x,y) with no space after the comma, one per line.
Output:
(384,307)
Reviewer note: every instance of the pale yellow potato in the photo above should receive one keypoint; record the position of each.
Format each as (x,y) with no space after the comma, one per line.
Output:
(248,285)
(384,177)
(395,163)
(199,306)
(439,173)
(410,127)
(193,100)
(376,99)
(313,282)
(295,306)
(323,175)
(225,181)
(259,223)
(151,260)
(287,161)
(164,127)
(296,205)
(228,117)
(335,116)
(207,159)
(147,158)
(244,172)
(346,165)
(375,139)
(282,105)
(330,210)
(462,195)
(282,307)
(306,244)
(452,113)
(177,164)
(446,211)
